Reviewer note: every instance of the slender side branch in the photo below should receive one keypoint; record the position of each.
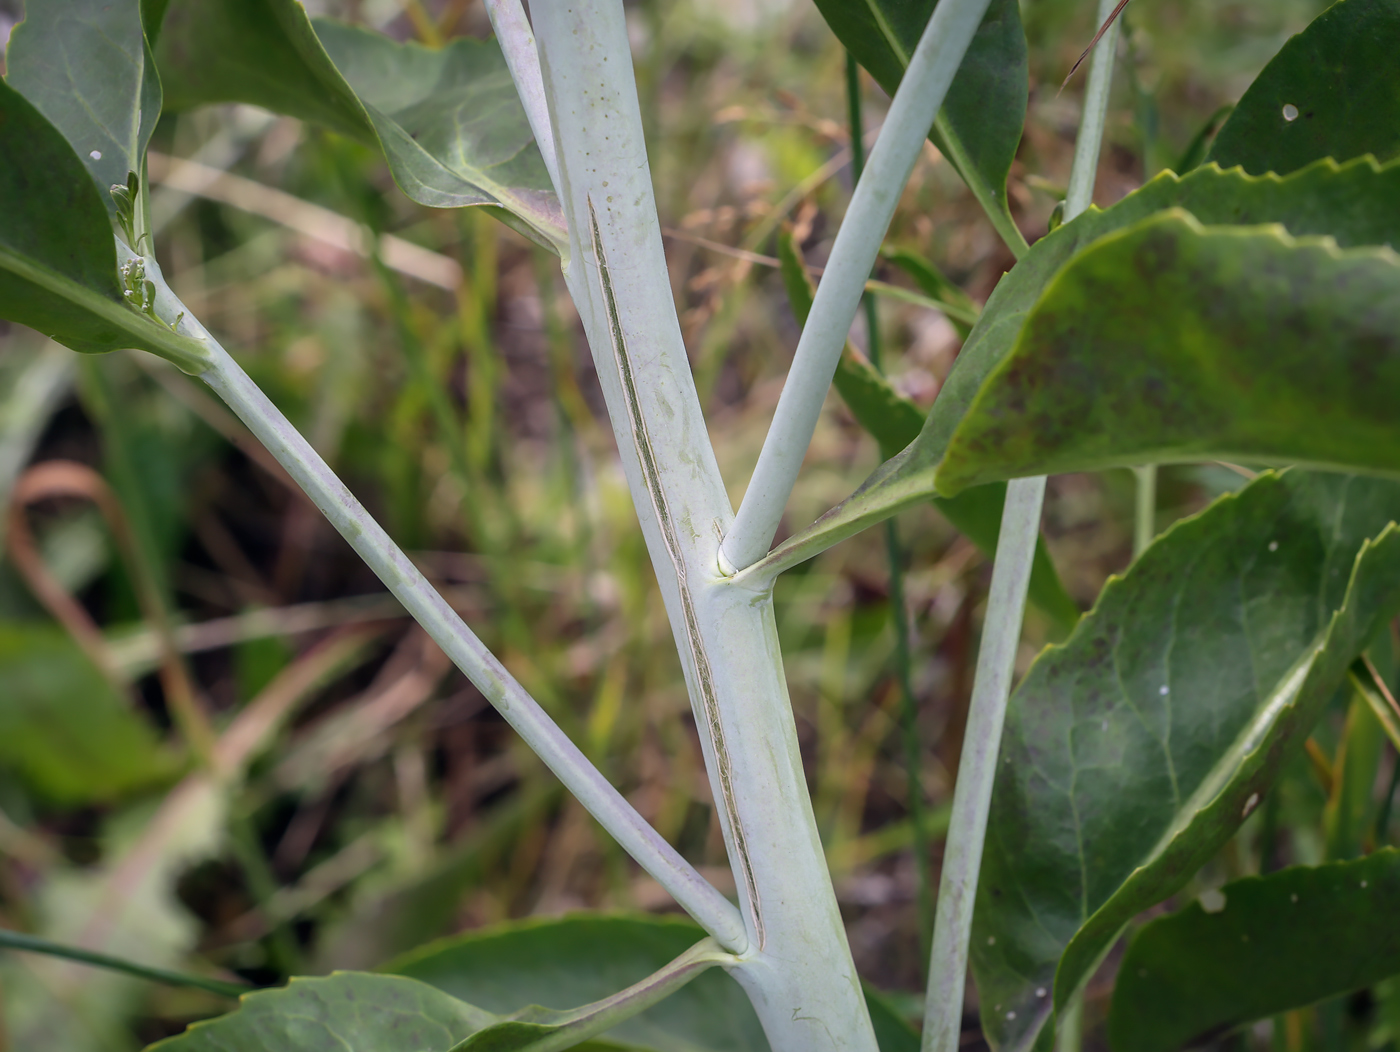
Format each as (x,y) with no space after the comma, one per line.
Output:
(916,104)
(1020,529)
(517,42)
(709,908)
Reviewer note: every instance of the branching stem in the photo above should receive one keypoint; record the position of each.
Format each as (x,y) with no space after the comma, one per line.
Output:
(911,114)
(709,908)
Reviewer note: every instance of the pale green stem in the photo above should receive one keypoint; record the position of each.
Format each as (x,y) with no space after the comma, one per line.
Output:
(916,103)
(1145,516)
(798,970)
(1020,530)
(224,376)
(962,857)
(517,42)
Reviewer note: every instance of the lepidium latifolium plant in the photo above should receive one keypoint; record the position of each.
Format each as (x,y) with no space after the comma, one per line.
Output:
(1241,307)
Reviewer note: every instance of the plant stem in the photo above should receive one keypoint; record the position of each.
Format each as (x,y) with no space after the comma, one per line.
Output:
(911,114)
(962,857)
(798,970)
(517,42)
(1071,1035)
(1145,516)
(1020,529)
(709,908)
(1086,148)
(13,940)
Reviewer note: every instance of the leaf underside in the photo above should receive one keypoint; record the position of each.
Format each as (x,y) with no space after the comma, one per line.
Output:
(1280,941)
(979,127)
(448,120)
(1133,751)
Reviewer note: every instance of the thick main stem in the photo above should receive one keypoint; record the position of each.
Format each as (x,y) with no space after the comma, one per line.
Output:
(798,970)
(1020,529)
(911,114)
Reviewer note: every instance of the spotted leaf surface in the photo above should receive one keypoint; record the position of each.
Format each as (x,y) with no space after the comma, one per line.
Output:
(1133,751)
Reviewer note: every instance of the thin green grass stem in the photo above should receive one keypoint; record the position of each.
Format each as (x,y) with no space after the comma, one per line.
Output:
(282,946)
(1145,515)
(13,940)
(1006,604)
(899,610)
(920,96)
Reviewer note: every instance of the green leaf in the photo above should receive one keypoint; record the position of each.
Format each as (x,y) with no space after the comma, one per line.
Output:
(1281,941)
(1336,80)
(58,258)
(979,127)
(448,121)
(84,64)
(586,958)
(1170,341)
(937,287)
(895,421)
(346,1012)
(1135,750)
(64,730)
(1352,203)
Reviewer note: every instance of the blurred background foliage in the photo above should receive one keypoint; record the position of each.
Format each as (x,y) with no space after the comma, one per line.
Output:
(433,358)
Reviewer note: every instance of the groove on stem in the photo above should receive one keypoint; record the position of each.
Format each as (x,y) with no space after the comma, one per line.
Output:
(651,473)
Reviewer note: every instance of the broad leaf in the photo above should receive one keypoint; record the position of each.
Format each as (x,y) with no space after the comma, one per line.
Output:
(58,257)
(1332,91)
(1170,341)
(895,421)
(1133,751)
(979,127)
(346,1012)
(84,64)
(585,958)
(64,730)
(1278,942)
(448,120)
(1353,203)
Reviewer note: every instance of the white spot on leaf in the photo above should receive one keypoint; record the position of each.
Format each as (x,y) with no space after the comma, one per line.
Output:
(1250,804)
(1212,901)
(1164,690)
(1363,883)
(991,940)
(1040,991)
(1273,546)
(1010,1015)
(96,155)
(1293,897)
(1290,112)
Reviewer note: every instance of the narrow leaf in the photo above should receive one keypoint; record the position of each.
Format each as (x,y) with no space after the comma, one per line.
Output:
(1133,751)
(979,127)
(1278,942)
(895,421)
(84,64)
(1330,92)
(346,1012)
(448,120)
(1171,341)
(58,257)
